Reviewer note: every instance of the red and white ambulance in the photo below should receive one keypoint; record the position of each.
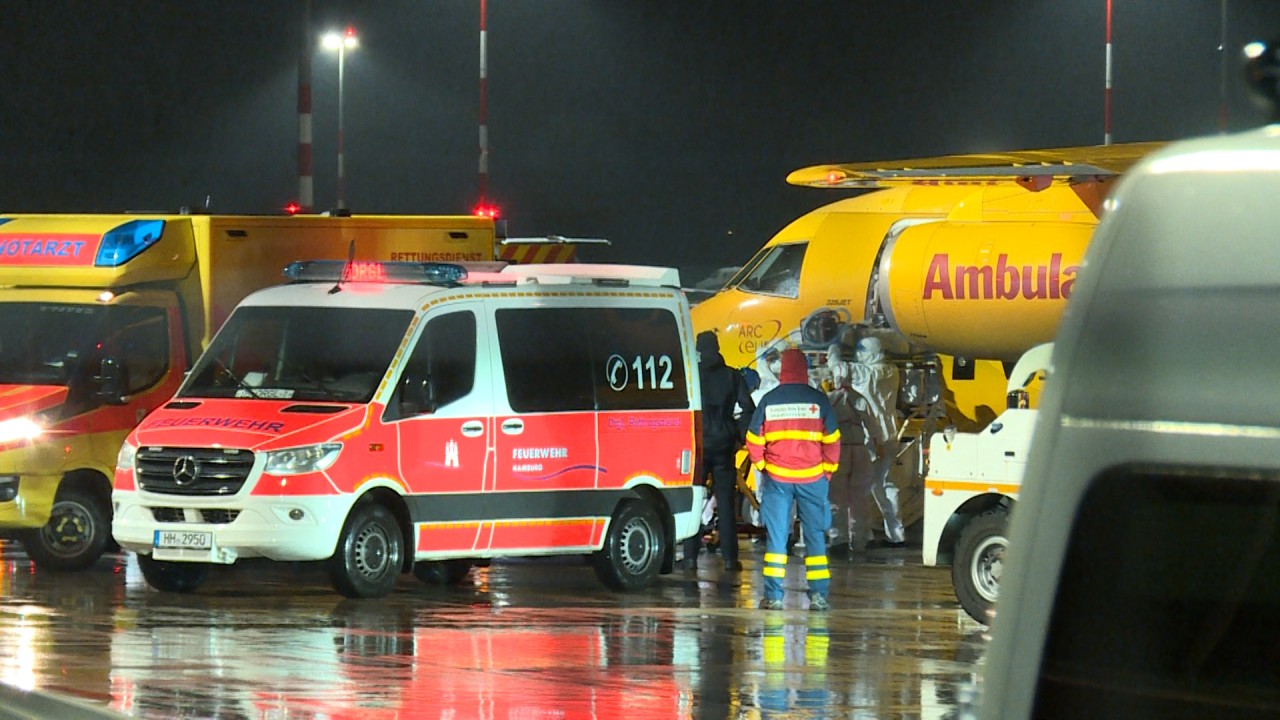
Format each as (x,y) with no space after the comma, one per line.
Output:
(396,416)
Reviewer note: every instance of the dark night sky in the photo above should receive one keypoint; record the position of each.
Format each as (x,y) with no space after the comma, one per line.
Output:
(667,127)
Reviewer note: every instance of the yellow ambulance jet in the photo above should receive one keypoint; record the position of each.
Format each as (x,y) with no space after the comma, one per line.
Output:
(960,263)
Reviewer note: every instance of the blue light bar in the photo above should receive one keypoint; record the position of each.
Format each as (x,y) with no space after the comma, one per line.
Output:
(124,243)
(373,271)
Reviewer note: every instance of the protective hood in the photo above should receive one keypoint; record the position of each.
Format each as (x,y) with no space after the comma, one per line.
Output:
(708,347)
(869,351)
(794,367)
(768,372)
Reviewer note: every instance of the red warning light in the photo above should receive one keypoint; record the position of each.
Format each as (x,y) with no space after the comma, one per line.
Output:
(293,208)
(364,272)
(485,210)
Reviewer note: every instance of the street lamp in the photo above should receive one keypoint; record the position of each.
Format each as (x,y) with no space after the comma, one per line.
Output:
(342,42)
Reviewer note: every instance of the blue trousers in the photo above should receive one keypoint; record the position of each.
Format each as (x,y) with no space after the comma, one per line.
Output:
(815,519)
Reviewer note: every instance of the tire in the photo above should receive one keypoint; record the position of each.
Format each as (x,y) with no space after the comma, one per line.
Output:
(76,535)
(179,577)
(633,549)
(369,555)
(442,572)
(979,562)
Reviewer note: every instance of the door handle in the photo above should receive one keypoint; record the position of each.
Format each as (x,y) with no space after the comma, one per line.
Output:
(513,426)
(472,428)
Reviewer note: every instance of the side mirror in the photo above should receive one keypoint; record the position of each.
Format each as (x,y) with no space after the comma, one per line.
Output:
(113,382)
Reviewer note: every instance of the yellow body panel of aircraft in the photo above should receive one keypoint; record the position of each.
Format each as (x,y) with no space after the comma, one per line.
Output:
(959,263)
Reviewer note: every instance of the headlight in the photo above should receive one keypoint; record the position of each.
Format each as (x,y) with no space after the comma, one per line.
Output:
(295,461)
(19,429)
(124,459)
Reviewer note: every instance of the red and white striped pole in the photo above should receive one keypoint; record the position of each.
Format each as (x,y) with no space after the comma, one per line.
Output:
(1106,119)
(305,184)
(484,111)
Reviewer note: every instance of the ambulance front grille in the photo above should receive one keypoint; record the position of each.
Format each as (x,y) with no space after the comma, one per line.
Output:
(192,471)
(205,515)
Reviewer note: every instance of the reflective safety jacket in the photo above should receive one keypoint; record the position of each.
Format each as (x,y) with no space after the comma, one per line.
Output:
(793,434)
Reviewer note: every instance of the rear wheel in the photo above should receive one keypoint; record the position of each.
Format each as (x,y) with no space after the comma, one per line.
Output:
(442,572)
(181,577)
(633,549)
(978,564)
(370,553)
(77,533)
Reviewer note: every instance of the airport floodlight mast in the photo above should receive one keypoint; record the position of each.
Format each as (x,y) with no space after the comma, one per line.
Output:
(341,42)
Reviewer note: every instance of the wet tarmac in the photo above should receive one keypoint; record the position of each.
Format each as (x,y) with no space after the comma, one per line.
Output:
(527,639)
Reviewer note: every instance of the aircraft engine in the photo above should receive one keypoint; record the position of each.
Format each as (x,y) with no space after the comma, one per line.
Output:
(978,289)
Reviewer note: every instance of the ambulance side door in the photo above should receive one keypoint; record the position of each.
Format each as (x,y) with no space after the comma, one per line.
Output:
(546,434)
(442,408)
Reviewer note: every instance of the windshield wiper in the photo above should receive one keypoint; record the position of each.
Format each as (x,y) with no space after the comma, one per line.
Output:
(239,380)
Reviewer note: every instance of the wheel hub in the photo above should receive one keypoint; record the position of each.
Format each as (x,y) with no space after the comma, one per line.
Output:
(371,552)
(988,567)
(68,529)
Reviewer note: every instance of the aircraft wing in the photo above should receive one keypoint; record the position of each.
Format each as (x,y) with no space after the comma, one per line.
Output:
(1035,168)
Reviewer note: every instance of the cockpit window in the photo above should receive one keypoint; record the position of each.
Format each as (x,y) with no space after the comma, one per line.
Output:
(775,272)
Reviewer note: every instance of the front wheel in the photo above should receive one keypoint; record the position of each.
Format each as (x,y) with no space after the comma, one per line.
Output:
(979,563)
(180,577)
(76,535)
(369,554)
(633,549)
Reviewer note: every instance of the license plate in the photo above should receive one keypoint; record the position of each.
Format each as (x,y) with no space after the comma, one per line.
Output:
(183,539)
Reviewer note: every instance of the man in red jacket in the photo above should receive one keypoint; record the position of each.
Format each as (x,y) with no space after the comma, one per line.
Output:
(795,443)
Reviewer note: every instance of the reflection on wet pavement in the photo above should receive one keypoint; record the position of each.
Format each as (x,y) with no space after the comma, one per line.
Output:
(527,639)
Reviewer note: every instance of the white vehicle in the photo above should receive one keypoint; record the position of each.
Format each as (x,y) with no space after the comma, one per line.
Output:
(1143,572)
(972,483)
(388,417)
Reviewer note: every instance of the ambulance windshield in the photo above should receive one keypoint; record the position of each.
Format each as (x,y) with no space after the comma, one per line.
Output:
(47,343)
(299,353)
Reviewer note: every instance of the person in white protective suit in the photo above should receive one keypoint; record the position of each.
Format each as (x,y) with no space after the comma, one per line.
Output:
(850,490)
(768,365)
(875,380)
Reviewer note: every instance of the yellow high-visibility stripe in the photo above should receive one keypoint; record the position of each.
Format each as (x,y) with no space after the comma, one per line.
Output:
(778,572)
(759,465)
(775,558)
(754,439)
(822,574)
(813,435)
(816,560)
(831,439)
(830,467)
(793,473)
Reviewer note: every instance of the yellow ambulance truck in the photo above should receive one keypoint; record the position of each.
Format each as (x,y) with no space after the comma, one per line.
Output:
(100,317)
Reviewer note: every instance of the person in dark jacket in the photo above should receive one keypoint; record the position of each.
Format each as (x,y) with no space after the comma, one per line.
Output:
(724,391)
(794,440)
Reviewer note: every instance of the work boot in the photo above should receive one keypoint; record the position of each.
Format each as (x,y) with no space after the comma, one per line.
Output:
(818,603)
(733,566)
(767,604)
(839,551)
